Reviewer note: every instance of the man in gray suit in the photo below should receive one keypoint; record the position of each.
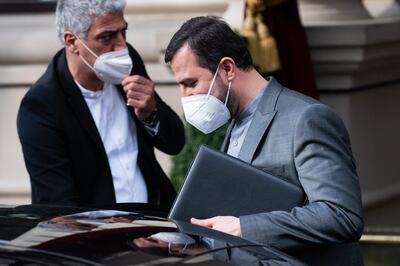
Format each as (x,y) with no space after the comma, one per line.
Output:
(275,129)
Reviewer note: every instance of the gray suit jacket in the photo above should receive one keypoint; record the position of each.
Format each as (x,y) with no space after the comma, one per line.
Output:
(305,142)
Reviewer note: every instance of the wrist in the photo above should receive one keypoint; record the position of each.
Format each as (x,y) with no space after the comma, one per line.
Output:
(151,118)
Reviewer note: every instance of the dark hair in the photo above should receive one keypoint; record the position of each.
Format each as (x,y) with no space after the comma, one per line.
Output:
(211,39)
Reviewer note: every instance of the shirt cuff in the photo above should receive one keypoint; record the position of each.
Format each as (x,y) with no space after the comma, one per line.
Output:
(152,128)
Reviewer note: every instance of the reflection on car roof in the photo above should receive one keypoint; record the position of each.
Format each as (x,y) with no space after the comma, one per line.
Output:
(66,225)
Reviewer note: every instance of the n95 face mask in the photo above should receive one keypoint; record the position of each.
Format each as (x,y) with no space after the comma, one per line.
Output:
(205,111)
(111,67)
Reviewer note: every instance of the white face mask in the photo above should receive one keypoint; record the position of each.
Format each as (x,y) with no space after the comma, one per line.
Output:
(111,67)
(206,112)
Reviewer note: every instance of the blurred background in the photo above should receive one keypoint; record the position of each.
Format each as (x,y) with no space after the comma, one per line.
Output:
(345,53)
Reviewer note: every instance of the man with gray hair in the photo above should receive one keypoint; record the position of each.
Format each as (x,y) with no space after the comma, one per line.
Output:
(89,125)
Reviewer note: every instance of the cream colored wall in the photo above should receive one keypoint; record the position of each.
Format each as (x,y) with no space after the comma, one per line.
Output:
(13,175)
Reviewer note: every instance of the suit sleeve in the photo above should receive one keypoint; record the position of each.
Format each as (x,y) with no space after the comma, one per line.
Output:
(170,137)
(326,171)
(45,153)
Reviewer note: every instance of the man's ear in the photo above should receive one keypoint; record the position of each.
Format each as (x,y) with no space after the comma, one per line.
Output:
(229,68)
(71,42)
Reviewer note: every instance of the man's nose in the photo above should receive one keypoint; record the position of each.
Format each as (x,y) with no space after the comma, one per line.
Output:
(185,92)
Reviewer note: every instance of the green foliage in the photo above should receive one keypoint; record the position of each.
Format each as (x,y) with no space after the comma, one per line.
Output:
(194,138)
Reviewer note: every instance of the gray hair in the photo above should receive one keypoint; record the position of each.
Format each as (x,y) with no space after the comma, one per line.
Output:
(76,15)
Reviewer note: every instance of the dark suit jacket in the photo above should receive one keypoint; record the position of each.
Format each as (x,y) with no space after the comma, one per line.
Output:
(63,151)
(305,142)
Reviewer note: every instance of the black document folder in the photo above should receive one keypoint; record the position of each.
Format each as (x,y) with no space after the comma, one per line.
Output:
(219,184)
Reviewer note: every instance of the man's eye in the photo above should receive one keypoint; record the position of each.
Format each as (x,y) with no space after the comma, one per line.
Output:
(192,84)
(105,37)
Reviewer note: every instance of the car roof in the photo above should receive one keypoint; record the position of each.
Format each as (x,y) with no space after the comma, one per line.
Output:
(119,234)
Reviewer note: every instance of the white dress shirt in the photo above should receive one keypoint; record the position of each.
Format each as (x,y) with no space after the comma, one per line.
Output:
(118,133)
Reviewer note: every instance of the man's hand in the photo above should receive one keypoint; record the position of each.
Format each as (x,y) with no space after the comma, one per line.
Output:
(226,224)
(140,95)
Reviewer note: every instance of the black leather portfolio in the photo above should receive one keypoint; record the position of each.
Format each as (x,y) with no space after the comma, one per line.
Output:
(219,184)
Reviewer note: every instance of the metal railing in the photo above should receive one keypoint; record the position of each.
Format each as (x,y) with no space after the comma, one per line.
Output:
(381,246)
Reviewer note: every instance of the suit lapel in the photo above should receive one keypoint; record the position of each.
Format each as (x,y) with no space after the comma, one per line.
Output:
(262,119)
(77,102)
(256,131)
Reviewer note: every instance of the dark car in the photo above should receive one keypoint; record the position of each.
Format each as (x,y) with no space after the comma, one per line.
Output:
(58,235)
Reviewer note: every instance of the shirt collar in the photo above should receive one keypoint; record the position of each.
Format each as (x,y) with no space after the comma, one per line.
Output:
(90,94)
(250,108)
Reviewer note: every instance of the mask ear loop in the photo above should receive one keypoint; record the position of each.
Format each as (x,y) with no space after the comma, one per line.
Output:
(213,80)
(212,84)
(229,90)
(90,51)
(87,47)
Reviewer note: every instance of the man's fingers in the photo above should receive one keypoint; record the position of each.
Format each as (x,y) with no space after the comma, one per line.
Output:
(139,88)
(140,104)
(136,79)
(203,222)
(226,224)
(140,95)
(136,95)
